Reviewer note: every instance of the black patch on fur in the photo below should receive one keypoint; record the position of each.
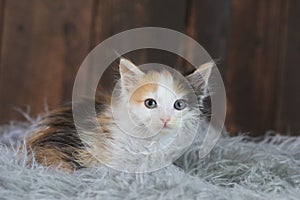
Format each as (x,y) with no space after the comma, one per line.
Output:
(62,134)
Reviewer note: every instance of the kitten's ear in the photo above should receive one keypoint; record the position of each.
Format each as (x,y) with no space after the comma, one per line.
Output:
(129,72)
(199,78)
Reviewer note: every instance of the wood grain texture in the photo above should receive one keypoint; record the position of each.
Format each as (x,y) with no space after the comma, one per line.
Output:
(44,42)
(2,8)
(288,120)
(208,23)
(253,65)
(115,16)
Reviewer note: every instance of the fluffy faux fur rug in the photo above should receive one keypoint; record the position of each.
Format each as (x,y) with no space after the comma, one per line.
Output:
(237,168)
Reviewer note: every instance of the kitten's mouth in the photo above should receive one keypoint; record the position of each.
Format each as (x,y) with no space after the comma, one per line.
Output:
(166,127)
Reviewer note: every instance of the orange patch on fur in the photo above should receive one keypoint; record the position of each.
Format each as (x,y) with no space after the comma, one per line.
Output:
(140,93)
(53,157)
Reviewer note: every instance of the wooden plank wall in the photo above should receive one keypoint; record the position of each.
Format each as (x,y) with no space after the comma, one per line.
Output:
(289,98)
(253,64)
(1,32)
(42,44)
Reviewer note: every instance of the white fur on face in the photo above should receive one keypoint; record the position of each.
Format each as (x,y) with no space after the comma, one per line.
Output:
(137,86)
(165,95)
(137,131)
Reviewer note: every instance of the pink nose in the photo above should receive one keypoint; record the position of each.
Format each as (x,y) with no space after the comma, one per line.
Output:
(165,120)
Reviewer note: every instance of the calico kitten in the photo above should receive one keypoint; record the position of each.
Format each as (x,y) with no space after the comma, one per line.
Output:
(149,109)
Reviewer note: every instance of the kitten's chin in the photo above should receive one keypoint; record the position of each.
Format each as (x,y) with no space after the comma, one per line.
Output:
(170,127)
(164,130)
(160,129)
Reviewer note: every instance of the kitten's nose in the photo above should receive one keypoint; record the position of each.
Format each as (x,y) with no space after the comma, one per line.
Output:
(165,120)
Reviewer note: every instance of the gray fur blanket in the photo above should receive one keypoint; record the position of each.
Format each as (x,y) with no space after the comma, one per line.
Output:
(237,168)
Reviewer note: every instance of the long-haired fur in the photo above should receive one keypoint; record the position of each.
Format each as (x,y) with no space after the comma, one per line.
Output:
(56,142)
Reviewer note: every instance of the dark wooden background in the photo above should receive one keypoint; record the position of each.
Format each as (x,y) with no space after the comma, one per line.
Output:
(43,42)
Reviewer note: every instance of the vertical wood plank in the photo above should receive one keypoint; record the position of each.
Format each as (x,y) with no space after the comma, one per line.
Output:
(208,22)
(288,115)
(1,29)
(242,37)
(114,16)
(44,43)
(253,65)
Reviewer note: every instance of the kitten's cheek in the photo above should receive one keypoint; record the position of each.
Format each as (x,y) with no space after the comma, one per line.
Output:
(173,125)
(176,122)
(148,122)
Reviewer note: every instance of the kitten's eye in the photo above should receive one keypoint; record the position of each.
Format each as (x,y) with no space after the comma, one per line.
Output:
(179,104)
(150,103)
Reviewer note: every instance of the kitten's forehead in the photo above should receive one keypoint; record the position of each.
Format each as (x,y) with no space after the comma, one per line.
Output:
(164,79)
(145,90)
(161,85)
(165,90)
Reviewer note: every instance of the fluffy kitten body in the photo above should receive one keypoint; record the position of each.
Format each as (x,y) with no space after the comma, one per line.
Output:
(148,120)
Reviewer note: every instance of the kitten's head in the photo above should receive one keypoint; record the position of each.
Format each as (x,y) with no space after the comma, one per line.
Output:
(160,101)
